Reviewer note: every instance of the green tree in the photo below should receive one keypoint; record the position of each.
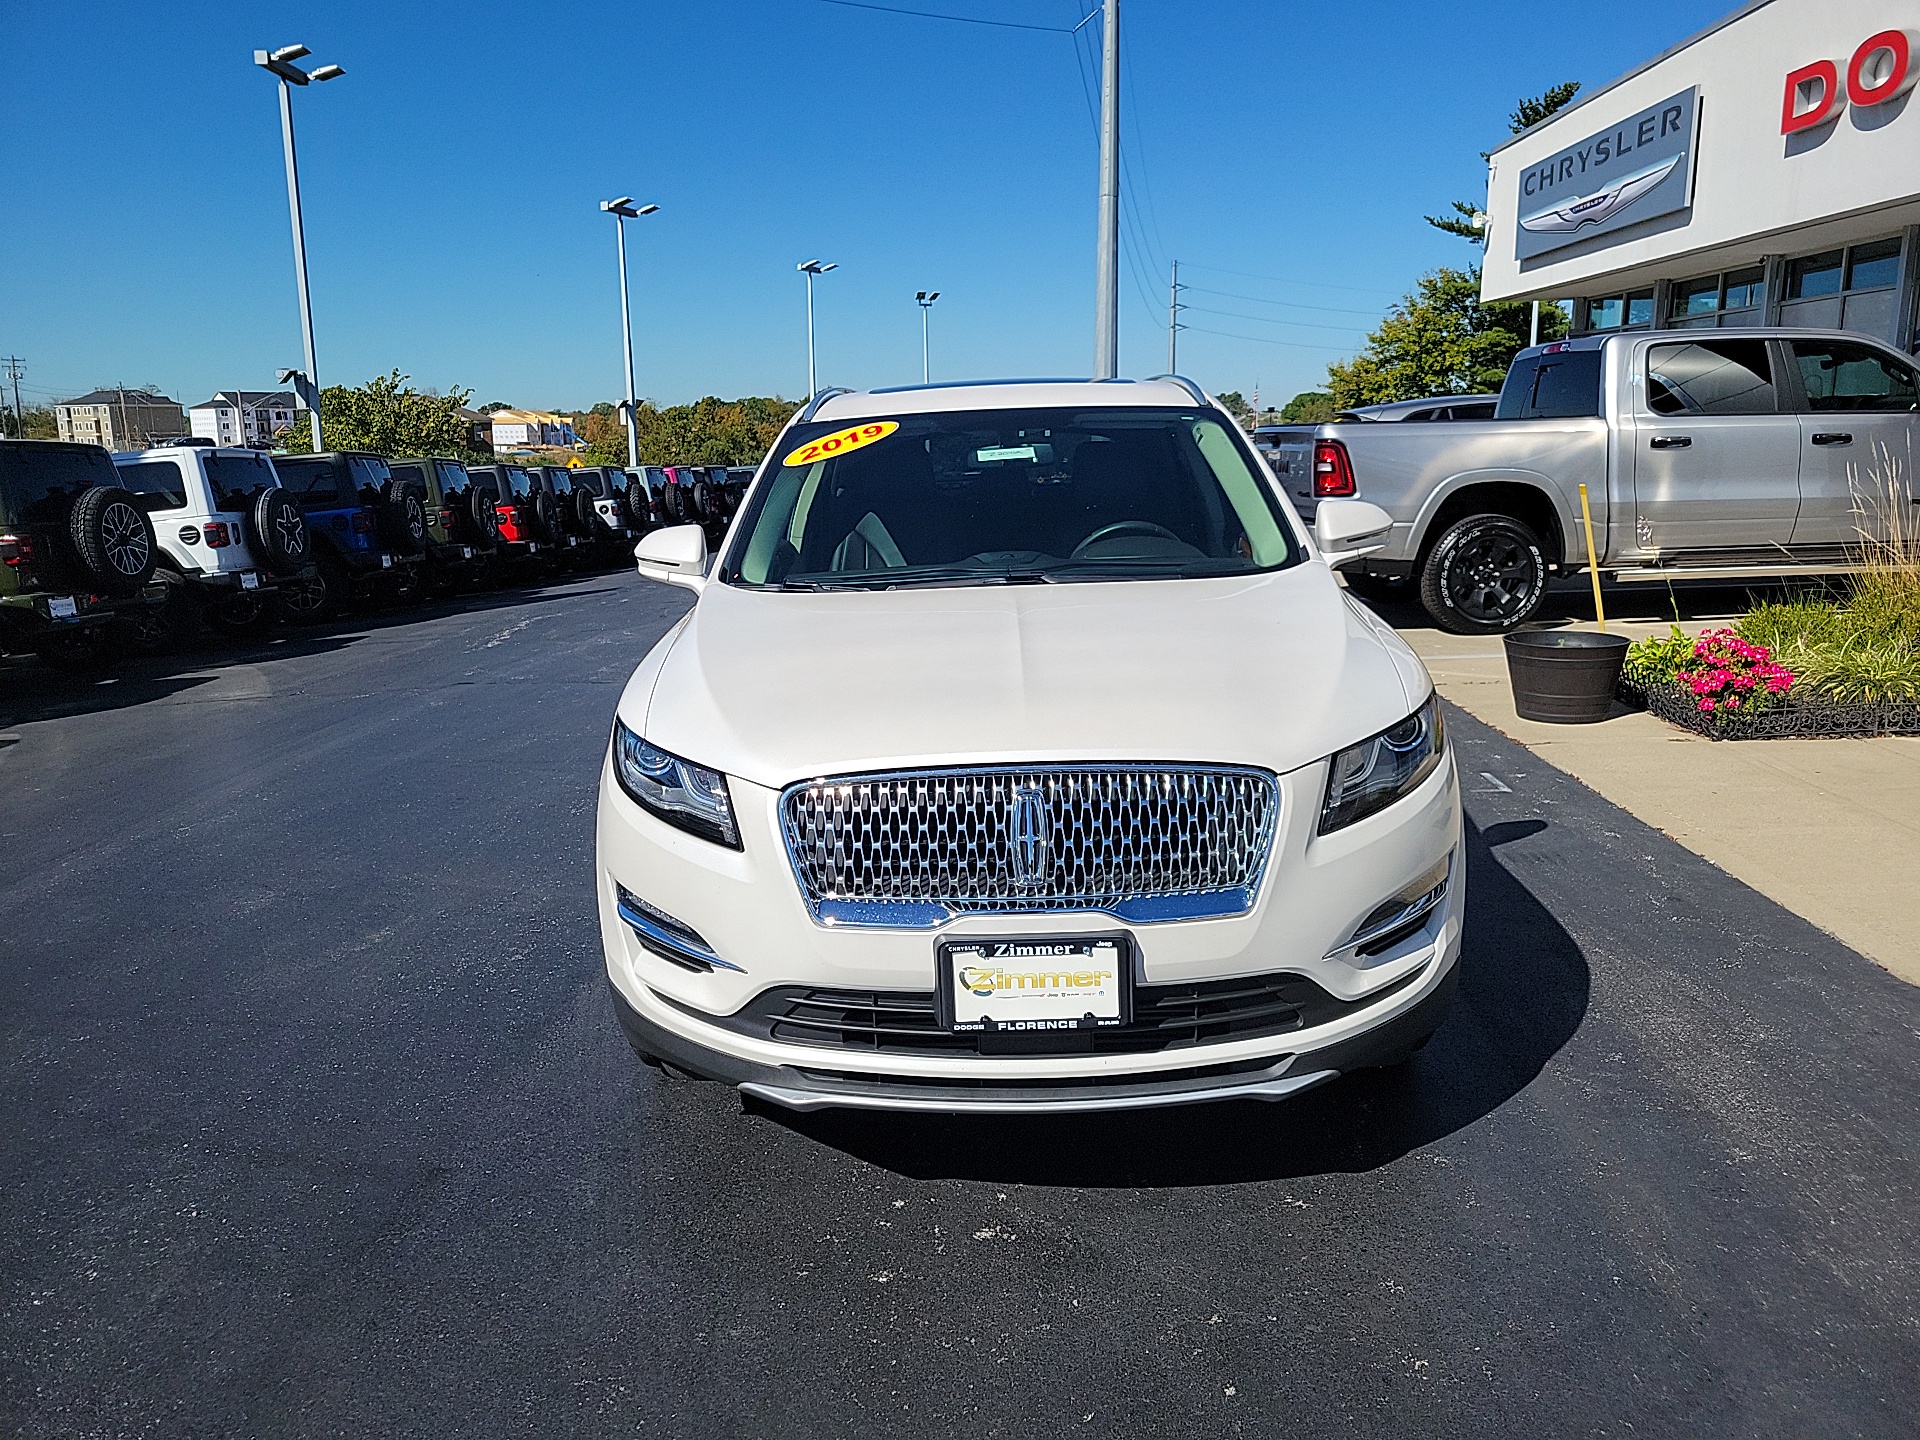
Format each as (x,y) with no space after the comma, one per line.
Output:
(1440,340)
(711,431)
(1235,404)
(1310,407)
(388,416)
(1527,114)
(36,423)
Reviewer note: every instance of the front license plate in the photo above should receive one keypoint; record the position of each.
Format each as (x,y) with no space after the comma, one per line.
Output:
(62,607)
(1035,985)
(249,580)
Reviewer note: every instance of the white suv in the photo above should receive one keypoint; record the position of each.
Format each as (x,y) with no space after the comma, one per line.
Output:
(228,534)
(1020,753)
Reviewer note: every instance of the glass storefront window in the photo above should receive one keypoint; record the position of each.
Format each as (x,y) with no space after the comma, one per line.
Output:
(1697,297)
(1640,309)
(1606,314)
(1874,267)
(1814,275)
(1745,288)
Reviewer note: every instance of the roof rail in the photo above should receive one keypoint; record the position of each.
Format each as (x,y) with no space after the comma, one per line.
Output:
(1186,385)
(817,401)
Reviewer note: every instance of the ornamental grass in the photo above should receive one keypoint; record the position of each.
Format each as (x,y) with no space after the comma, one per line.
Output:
(1854,643)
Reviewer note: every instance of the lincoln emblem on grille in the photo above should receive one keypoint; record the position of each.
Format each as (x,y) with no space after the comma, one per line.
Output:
(1032,838)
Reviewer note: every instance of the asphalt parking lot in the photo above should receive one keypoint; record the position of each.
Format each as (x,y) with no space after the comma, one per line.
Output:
(314,1120)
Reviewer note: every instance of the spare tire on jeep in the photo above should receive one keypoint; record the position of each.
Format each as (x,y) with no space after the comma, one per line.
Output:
(113,538)
(546,516)
(277,531)
(639,501)
(483,514)
(583,510)
(403,518)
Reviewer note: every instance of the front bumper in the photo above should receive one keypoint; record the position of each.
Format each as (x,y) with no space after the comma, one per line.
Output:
(746,907)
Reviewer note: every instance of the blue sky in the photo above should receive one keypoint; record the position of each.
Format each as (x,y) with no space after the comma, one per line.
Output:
(452,180)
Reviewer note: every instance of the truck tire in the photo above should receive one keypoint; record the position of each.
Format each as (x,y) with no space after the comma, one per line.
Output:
(639,505)
(546,516)
(315,595)
(403,518)
(278,537)
(1485,575)
(484,513)
(113,538)
(584,513)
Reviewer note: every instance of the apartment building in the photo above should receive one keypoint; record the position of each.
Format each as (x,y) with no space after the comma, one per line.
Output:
(243,417)
(120,419)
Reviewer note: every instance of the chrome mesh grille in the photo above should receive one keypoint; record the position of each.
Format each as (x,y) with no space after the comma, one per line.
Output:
(1052,838)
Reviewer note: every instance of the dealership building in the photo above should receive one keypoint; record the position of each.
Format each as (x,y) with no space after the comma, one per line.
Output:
(1764,172)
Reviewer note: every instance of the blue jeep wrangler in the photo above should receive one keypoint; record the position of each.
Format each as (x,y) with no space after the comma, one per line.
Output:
(369,531)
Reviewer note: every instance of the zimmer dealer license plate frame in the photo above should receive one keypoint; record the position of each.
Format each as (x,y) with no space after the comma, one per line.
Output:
(1035,985)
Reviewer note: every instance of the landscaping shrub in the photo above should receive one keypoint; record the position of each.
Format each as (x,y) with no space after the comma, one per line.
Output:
(1657,659)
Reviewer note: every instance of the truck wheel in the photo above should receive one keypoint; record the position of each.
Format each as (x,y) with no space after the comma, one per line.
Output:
(403,518)
(113,538)
(316,594)
(278,532)
(1485,575)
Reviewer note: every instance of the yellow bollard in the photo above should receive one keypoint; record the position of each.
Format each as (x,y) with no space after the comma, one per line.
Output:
(1593,565)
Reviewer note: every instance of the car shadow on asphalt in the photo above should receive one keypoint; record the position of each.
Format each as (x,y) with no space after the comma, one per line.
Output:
(32,690)
(1523,993)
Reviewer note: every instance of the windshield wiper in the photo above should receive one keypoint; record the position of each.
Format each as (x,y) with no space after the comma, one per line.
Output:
(927,575)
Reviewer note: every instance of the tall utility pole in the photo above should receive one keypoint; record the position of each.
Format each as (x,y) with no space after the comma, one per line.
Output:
(280,62)
(1174,327)
(622,211)
(16,367)
(811,268)
(1106,301)
(925,299)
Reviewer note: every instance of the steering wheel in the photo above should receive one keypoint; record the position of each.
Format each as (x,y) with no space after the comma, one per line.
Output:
(1127,527)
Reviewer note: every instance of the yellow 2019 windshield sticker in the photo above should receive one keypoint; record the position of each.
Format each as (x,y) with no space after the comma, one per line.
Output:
(828,446)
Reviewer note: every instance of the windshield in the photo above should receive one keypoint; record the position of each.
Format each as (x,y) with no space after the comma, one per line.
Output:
(1008,496)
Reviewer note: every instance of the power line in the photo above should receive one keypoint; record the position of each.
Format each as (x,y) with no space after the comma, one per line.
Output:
(1263,340)
(1290,304)
(1273,320)
(958,19)
(1288,280)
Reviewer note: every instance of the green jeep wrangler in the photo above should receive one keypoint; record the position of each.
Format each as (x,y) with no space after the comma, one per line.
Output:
(76,552)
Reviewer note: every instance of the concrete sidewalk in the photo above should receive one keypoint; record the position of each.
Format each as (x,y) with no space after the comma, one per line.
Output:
(1830,829)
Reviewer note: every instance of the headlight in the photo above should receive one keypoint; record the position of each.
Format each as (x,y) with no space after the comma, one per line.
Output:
(1373,774)
(678,791)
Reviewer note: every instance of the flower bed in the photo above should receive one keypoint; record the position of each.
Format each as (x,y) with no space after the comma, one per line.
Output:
(1797,718)
(1810,666)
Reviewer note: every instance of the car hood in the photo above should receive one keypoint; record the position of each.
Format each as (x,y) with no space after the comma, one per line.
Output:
(1275,670)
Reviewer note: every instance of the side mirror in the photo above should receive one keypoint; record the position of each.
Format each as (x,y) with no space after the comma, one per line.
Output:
(1349,530)
(677,555)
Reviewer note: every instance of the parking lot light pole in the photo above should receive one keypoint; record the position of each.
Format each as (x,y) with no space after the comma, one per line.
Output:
(926,299)
(622,211)
(280,63)
(811,268)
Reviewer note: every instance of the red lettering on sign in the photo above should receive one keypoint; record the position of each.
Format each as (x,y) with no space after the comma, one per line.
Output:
(1813,97)
(1881,69)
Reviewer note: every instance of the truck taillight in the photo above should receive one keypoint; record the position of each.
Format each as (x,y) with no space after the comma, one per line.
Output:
(446,516)
(16,550)
(362,522)
(218,534)
(1332,470)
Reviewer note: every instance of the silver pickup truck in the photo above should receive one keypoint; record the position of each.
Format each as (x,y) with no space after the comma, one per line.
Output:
(1707,455)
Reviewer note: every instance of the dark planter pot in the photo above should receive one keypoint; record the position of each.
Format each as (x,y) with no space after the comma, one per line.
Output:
(1564,677)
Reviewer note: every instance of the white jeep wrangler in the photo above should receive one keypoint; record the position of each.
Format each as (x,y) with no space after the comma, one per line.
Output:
(229,536)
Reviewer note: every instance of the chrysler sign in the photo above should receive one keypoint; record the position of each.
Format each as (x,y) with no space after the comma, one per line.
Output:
(1639,169)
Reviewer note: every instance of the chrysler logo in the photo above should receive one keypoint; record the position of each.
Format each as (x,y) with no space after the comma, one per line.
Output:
(1032,838)
(1601,205)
